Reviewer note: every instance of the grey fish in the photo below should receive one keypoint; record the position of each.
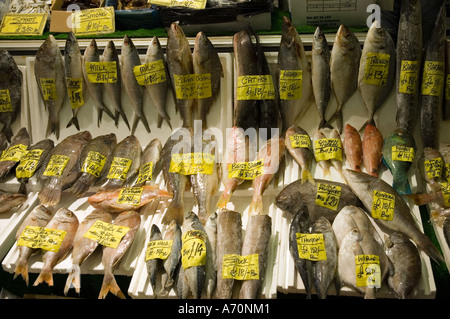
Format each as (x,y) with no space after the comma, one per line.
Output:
(229,242)
(433,83)
(114,90)
(320,73)
(409,49)
(91,54)
(135,92)
(95,153)
(65,220)
(292,56)
(73,71)
(302,154)
(11,79)
(158,91)
(256,241)
(154,265)
(57,176)
(364,186)
(431,165)
(211,263)
(83,248)
(206,60)
(11,157)
(49,70)
(150,154)
(39,216)
(9,200)
(405,257)
(344,68)
(112,256)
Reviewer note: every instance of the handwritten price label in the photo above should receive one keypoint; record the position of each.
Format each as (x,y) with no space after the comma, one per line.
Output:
(42,238)
(402,153)
(119,168)
(93,164)
(255,87)
(75,92)
(5,101)
(377,68)
(94,21)
(193,249)
(328,195)
(150,73)
(158,249)
(145,173)
(383,205)
(23,24)
(192,163)
(192,86)
(48,89)
(130,195)
(434,167)
(246,170)
(409,77)
(28,163)
(311,246)
(56,165)
(240,267)
(14,153)
(368,271)
(300,140)
(328,148)
(101,72)
(433,78)
(291,82)
(106,234)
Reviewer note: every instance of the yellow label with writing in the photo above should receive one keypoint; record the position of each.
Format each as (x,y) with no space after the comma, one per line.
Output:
(42,238)
(94,21)
(75,92)
(377,68)
(5,101)
(130,196)
(290,85)
(300,140)
(240,267)
(192,163)
(14,153)
(28,163)
(255,87)
(101,72)
(145,173)
(328,195)
(56,165)
(383,205)
(150,73)
(158,249)
(433,78)
(94,163)
(409,77)
(48,89)
(246,170)
(192,86)
(23,23)
(447,87)
(445,188)
(192,4)
(106,234)
(368,271)
(434,167)
(311,246)
(119,168)
(193,249)
(328,148)
(447,172)
(402,153)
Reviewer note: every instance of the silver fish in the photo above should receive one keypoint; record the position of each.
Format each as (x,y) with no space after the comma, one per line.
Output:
(154,265)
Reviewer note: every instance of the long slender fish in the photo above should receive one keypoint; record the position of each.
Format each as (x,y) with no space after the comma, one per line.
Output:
(154,265)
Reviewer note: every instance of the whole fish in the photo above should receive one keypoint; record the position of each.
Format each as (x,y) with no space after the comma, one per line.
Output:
(431,167)
(365,186)
(271,154)
(157,90)
(229,242)
(114,90)
(353,148)
(94,160)
(292,57)
(211,263)
(39,216)
(320,73)
(112,256)
(172,262)
(150,157)
(344,68)
(73,72)
(324,164)
(114,201)
(125,163)
(297,194)
(63,220)
(154,265)
(301,224)
(409,63)
(179,63)
(11,79)
(256,241)
(135,92)
(376,69)
(49,73)
(372,144)
(324,271)
(245,110)
(10,200)
(298,144)
(14,153)
(337,162)
(399,149)
(58,169)
(407,265)
(205,60)
(92,55)
(433,82)
(446,106)
(83,247)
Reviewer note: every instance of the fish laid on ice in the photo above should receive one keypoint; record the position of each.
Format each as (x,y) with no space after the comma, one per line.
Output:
(298,144)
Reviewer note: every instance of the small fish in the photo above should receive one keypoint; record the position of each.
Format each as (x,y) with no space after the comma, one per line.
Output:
(211,263)
(302,153)
(154,264)
(150,156)
(353,148)
(372,144)
(14,153)
(324,164)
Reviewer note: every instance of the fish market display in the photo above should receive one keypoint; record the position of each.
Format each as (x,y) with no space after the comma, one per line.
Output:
(112,256)
(150,162)
(49,73)
(11,79)
(154,264)
(298,144)
(372,144)
(14,153)
(353,148)
(172,262)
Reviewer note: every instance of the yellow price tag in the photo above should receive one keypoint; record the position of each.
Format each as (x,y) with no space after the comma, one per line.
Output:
(409,77)
(14,153)
(48,89)
(402,153)
(240,267)
(93,164)
(383,205)
(192,4)
(291,82)
(328,195)
(192,86)
(368,271)
(445,188)
(246,170)
(130,196)
(101,72)
(328,148)
(145,173)
(433,78)
(28,163)
(434,167)
(75,92)
(150,73)
(311,246)
(377,68)
(300,140)
(193,249)
(5,101)
(23,24)
(119,168)
(192,163)
(42,238)
(106,234)
(56,165)
(255,87)
(158,249)
(94,21)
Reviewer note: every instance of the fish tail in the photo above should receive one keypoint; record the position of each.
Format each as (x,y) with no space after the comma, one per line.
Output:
(370,121)
(49,196)
(174,211)
(145,122)
(73,121)
(326,172)
(110,285)
(73,279)
(422,199)
(108,112)
(125,119)
(325,124)
(116,118)
(22,269)
(256,205)
(160,120)
(401,185)
(79,187)
(22,188)
(46,276)
(53,127)
(425,244)
(307,176)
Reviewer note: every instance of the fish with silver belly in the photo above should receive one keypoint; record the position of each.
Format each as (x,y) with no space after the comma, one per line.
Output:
(11,157)
(154,265)
(150,163)
(298,144)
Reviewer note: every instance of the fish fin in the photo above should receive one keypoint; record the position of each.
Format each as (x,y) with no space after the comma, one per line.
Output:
(307,176)
(22,188)
(401,185)
(108,111)
(422,199)
(145,122)
(110,285)
(135,123)
(174,211)
(256,205)
(73,279)
(370,121)
(325,124)
(125,119)
(73,121)
(46,276)
(52,128)
(160,120)
(116,118)
(49,196)
(225,197)
(79,187)
(22,269)
(8,133)
(99,116)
